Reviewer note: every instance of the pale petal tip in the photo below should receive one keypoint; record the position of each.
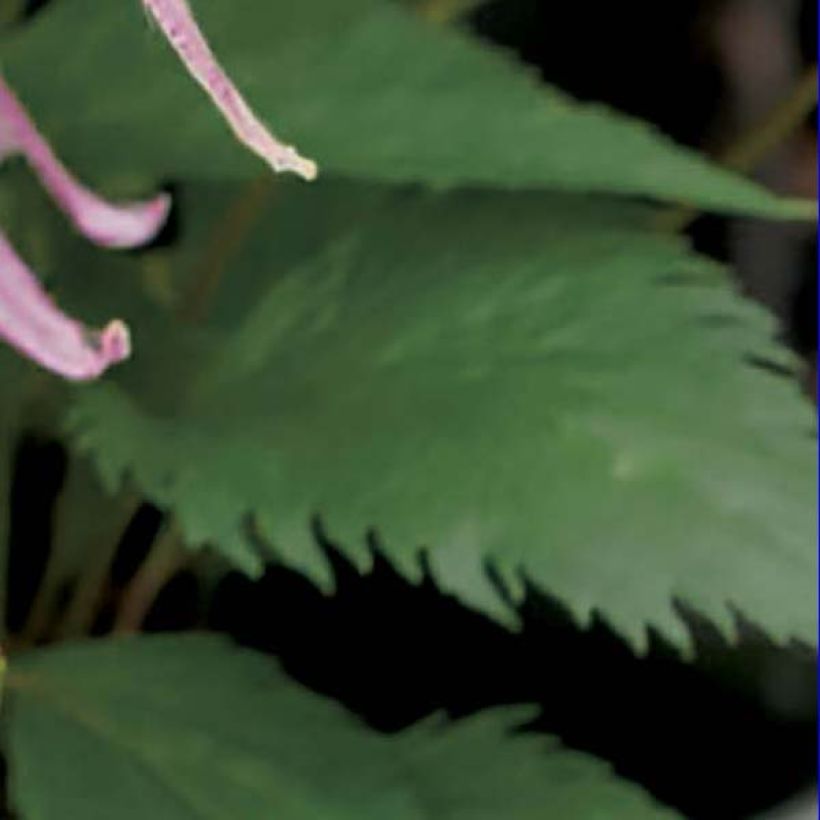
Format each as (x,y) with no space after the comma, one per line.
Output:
(290,160)
(104,348)
(115,342)
(86,354)
(308,170)
(124,226)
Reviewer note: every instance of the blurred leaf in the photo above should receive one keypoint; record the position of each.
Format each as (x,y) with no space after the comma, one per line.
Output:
(535,380)
(363,86)
(170,728)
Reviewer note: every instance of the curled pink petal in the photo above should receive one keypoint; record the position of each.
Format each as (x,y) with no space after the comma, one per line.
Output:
(113,226)
(177,22)
(32,323)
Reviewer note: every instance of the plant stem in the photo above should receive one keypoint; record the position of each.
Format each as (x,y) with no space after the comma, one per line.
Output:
(444,11)
(63,556)
(230,232)
(42,608)
(11,11)
(782,120)
(752,147)
(166,557)
(88,591)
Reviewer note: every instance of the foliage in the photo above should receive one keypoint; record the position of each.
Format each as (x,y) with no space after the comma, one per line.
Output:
(539,381)
(469,343)
(190,728)
(373,92)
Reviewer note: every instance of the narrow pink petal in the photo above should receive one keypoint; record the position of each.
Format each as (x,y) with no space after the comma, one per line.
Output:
(113,226)
(31,322)
(177,22)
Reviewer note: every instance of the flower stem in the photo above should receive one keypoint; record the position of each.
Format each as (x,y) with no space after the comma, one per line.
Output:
(167,556)
(782,120)
(230,232)
(755,145)
(11,11)
(444,11)
(88,591)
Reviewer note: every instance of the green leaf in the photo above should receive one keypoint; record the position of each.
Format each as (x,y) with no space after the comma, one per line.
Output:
(363,86)
(172,728)
(534,380)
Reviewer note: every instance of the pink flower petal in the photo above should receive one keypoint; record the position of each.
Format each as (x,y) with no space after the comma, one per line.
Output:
(31,322)
(177,22)
(113,226)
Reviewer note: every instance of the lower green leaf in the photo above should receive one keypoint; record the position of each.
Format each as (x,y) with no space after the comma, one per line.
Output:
(174,728)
